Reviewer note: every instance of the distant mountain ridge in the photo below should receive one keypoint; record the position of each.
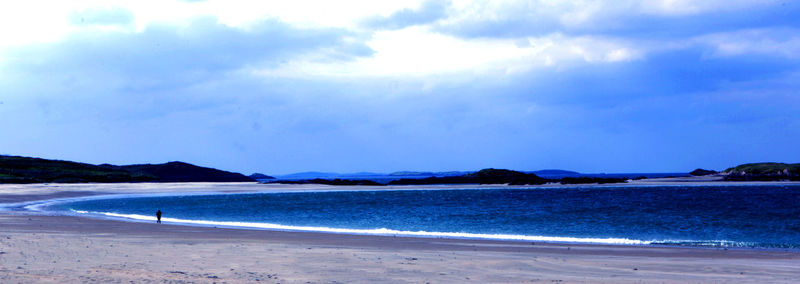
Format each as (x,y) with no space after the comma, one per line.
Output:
(554,172)
(431,174)
(302,175)
(16,169)
(410,174)
(484,176)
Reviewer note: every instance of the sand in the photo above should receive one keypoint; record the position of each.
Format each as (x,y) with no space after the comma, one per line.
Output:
(35,247)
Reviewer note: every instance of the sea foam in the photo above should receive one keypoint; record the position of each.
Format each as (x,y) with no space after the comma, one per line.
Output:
(377,232)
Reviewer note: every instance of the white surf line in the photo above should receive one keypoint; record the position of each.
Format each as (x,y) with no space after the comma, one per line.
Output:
(39,204)
(377,232)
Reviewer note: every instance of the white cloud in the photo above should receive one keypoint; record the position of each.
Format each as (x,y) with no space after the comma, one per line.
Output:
(770,42)
(537,17)
(620,54)
(341,14)
(689,7)
(25,22)
(417,52)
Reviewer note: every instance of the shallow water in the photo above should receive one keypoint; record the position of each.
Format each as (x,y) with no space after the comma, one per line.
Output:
(734,216)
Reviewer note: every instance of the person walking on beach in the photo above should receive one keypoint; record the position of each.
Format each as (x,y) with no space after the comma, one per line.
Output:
(158,216)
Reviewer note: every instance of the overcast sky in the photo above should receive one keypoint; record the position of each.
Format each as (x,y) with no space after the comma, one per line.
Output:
(345,86)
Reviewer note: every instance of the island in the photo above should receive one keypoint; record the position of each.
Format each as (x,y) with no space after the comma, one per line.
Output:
(484,176)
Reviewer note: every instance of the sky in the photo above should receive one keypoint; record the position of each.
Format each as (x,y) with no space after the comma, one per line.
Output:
(278,87)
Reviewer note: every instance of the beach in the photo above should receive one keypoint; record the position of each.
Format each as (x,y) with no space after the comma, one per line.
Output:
(38,247)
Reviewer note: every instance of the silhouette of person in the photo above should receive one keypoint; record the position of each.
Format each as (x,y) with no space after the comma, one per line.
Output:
(158,216)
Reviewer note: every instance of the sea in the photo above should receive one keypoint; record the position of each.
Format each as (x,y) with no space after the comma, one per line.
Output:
(736,216)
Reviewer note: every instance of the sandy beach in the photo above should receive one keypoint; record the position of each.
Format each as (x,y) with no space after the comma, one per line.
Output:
(36,247)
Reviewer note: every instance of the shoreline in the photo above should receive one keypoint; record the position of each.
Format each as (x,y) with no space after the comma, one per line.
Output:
(37,247)
(32,203)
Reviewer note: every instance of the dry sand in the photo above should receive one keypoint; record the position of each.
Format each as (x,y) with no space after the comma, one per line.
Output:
(61,249)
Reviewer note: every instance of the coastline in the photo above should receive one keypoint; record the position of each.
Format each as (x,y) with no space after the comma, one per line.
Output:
(121,251)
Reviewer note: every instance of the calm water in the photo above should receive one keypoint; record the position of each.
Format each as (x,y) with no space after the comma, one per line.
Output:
(738,216)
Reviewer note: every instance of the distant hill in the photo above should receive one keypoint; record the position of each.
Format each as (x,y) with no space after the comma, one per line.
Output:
(258,176)
(702,172)
(485,176)
(428,174)
(366,174)
(328,181)
(183,172)
(763,171)
(15,169)
(384,177)
(543,173)
(328,175)
(308,175)
(555,172)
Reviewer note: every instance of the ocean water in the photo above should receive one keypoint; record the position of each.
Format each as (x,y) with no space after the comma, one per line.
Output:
(718,216)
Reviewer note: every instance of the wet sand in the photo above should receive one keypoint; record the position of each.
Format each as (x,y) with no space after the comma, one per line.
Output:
(35,247)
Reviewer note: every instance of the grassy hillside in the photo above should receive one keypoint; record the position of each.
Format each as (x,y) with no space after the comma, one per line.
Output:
(15,169)
(183,172)
(764,171)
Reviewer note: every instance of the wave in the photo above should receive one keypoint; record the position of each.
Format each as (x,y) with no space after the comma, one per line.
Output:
(716,243)
(378,232)
(426,234)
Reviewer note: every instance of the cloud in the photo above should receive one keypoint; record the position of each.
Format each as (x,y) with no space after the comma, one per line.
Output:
(417,51)
(783,42)
(430,11)
(688,7)
(277,87)
(165,56)
(641,19)
(102,16)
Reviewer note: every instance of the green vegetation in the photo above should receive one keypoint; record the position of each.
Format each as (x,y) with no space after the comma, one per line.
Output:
(182,172)
(702,172)
(15,169)
(764,171)
(766,168)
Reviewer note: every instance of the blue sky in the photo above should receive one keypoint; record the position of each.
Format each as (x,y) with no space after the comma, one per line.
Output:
(347,86)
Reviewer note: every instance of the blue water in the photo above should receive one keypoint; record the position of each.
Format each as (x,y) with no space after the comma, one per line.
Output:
(735,216)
